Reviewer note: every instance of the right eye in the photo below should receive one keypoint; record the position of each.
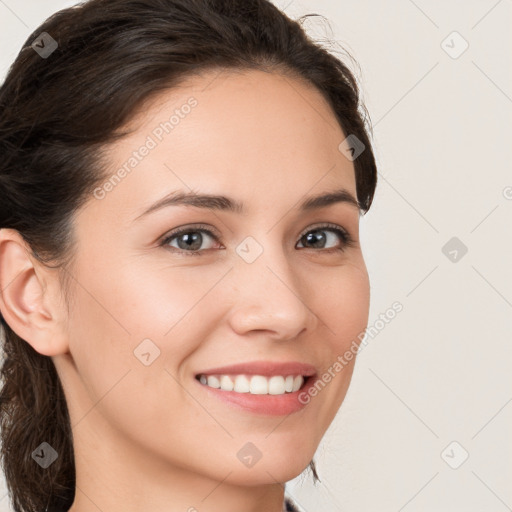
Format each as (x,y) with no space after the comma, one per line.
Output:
(189,240)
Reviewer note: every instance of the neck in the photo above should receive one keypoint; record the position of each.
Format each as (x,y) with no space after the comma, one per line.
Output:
(123,478)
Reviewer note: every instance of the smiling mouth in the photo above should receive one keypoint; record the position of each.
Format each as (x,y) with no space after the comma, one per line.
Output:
(255,384)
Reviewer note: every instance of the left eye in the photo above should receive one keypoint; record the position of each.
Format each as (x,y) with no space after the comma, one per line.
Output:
(190,240)
(316,236)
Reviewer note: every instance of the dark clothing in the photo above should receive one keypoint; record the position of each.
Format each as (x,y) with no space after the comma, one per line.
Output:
(290,506)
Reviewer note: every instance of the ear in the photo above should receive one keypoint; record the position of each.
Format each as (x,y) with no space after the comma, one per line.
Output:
(30,296)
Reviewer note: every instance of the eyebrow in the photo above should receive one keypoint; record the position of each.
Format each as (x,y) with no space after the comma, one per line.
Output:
(224,203)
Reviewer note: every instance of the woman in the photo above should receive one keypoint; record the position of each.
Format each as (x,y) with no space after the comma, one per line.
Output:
(181,186)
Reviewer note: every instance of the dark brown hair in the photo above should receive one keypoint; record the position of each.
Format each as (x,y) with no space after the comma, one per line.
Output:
(57,113)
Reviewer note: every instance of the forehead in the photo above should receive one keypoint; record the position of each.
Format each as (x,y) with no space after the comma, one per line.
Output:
(245,131)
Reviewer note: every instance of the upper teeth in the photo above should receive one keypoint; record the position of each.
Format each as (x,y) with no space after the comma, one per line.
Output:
(255,384)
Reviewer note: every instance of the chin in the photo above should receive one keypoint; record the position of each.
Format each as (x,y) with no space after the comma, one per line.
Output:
(280,469)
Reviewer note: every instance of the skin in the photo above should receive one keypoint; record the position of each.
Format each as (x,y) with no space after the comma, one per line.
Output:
(148,437)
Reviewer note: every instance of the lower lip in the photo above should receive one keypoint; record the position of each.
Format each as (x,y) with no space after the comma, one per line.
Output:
(271,405)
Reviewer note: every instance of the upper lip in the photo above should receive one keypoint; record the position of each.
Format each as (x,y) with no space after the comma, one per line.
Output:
(266,368)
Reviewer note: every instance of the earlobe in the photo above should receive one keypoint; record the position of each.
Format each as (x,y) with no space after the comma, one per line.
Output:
(24,303)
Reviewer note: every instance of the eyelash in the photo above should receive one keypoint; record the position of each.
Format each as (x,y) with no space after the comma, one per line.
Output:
(347,240)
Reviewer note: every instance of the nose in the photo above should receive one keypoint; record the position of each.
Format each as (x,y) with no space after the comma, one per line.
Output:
(269,297)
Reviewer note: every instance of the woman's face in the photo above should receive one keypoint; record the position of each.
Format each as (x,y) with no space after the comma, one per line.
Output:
(148,315)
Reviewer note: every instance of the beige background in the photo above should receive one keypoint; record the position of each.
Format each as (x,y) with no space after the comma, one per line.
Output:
(440,371)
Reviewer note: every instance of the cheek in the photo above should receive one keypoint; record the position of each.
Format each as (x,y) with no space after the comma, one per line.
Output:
(119,306)
(343,306)
(344,301)
(167,303)
(114,314)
